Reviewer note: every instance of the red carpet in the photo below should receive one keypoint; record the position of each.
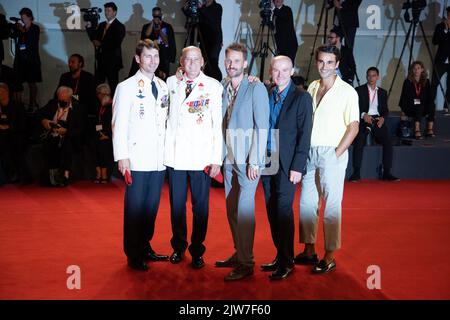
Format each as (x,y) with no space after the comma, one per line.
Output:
(401,227)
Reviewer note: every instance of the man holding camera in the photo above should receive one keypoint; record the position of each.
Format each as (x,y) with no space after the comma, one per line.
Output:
(373,111)
(107,41)
(346,19)
(285,36)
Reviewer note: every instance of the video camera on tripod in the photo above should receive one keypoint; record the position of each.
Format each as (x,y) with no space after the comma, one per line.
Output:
(192,10)
(13,30)
(92,16)
(266,12)
(416,7)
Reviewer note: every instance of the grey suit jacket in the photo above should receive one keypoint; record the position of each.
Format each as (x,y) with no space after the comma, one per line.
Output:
(245,134)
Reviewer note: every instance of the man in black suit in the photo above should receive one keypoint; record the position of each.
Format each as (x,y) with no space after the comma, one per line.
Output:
(291,118)
(346,19)
(373,110)
(441,38)
(62,120)
(347,65)
(285,36)
(81,82)
(4,34)
(107,40)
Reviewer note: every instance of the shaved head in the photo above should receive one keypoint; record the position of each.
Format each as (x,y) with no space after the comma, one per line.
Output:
(283,59)
(190,48)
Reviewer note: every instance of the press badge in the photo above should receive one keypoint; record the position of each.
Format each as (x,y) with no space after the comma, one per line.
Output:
(98,127)
(23,46)
(416,101)
(75,96)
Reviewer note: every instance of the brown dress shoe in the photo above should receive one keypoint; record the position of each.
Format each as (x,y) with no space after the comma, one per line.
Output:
(231,262)
(238,273)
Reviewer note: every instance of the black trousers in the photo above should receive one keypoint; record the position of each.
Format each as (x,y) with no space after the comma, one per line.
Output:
(279,195)
(141,207)
(104,72)
(199,183)
(441,69)
(382,136)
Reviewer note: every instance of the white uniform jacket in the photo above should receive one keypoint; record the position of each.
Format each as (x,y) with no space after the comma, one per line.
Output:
(194,126)
(139,122)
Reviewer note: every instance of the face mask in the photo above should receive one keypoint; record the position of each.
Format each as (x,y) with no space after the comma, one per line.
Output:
(63,104)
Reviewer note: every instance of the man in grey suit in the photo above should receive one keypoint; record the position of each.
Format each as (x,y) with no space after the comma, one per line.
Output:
(245,128)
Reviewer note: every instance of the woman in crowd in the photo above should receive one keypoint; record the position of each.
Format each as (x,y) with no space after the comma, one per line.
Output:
(27,62)
(103,143)
(416,99)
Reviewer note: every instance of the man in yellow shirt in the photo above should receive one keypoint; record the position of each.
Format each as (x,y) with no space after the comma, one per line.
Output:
(335,125)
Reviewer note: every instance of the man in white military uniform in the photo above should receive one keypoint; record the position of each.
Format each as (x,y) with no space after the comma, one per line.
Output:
(140,108)
(193,143)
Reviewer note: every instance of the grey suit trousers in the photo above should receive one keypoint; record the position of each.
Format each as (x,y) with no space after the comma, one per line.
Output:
(240,203)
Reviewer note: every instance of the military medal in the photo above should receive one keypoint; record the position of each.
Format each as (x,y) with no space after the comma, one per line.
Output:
(140,88)
(141,111)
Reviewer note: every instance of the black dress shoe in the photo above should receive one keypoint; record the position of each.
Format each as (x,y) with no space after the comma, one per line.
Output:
(301,258)
(137,264)
(323,267)
(354,178)
(197,262)
(270,266)
(281,273)
(390,177)
(176,257)
(153,256)
(231,262)
(238,273)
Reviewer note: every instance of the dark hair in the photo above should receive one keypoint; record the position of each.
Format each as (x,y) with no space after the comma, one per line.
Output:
(79,57)
(147,43)
(156,9)
(337,31)
(27,12)
(298,80)
(448,9)
(237,47)
(328,49)
(110,5)
(373,69)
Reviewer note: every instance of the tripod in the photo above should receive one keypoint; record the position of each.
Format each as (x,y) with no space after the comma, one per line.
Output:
(262,46)
(412,30)
(195,37)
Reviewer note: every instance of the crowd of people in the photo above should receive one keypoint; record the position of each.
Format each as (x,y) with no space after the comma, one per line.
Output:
(193,128)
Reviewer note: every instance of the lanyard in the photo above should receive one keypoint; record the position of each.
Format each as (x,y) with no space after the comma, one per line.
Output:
(61,113)
(372,99)
(100,113)
(75,90)
(418,89)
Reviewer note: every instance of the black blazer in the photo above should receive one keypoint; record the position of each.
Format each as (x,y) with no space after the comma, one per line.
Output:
(349,13)
(85,91)
(4,28)
(74,123)
(442,40)
(285,32)
(110,52)
(363,94)
(295,125)
(409,94)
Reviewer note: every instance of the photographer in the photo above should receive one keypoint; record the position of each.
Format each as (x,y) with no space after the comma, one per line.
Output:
(209,14)
(27,62)
(285,36)
(441,38)
(162,33)
(107,40)
(62,120)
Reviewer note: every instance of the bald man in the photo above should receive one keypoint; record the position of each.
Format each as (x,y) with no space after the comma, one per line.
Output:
(291,124)
(193,143)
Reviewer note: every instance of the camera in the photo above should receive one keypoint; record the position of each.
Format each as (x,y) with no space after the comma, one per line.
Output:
(91,15)
(416,7)
(13,31)
(266,12)
(192,9)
